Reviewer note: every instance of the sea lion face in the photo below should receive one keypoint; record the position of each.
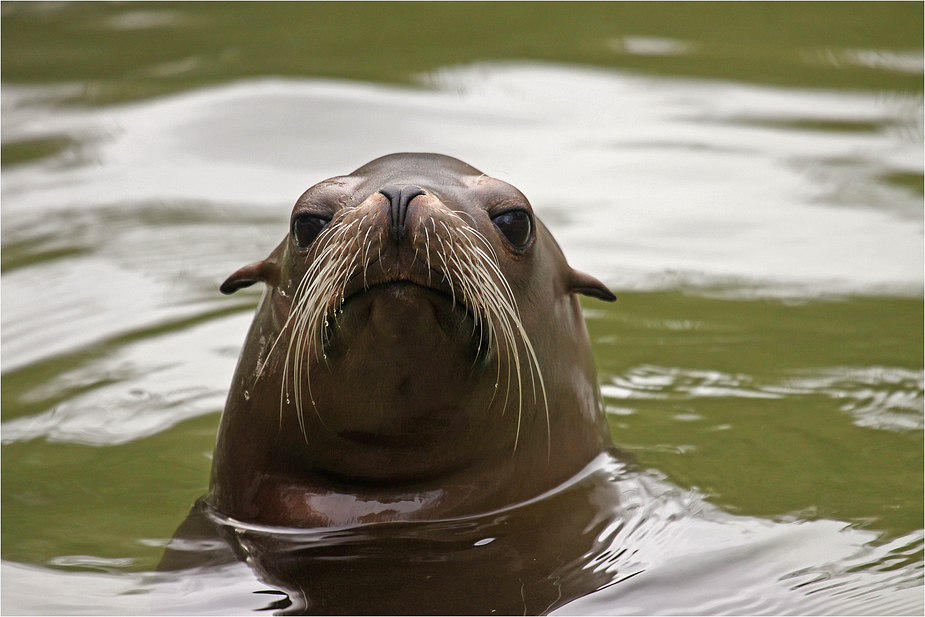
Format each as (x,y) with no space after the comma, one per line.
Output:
(415,310)
(415,256)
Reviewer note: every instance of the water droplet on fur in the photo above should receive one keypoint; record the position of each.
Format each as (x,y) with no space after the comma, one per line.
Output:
(247,395)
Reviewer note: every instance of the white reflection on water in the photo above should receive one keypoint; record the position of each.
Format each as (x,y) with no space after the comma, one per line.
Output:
(637,176)
(138,390)
(31,590)
(877,397)
(645,182)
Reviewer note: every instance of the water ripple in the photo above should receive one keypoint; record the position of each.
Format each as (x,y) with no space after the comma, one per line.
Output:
(878,397)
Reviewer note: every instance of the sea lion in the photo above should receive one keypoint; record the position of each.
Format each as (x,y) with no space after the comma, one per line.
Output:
(419,354)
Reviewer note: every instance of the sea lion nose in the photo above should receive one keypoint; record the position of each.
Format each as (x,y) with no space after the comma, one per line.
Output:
(399,198)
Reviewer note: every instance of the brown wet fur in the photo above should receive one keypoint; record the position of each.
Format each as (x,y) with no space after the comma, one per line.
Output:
(404,420)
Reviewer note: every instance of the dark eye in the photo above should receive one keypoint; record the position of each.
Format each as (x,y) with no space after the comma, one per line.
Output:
(305,228)
(516,227)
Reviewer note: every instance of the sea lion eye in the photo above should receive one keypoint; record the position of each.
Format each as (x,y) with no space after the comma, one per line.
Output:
(305,228)
(516,227)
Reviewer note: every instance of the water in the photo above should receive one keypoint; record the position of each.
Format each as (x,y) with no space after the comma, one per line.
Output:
(754,199)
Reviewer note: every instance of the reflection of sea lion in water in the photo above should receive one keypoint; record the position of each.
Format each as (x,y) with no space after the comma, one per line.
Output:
(419,354)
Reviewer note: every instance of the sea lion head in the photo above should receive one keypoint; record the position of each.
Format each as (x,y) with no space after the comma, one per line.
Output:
(419,318)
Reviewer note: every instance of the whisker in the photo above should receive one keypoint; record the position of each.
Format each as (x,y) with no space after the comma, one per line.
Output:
(470,267)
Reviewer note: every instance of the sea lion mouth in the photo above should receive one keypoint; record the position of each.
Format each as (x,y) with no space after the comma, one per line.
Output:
(418,281)
(387,307)
(433,283)
(405,287)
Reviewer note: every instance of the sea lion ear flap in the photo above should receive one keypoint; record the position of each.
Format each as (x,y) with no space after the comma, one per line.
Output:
(262,271)
(587,285)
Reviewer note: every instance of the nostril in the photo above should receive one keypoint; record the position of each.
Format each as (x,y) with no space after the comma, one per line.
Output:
(399,197)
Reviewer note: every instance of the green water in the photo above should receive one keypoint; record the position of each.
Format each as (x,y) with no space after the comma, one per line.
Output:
(800,453)
(784,405)
(123,53)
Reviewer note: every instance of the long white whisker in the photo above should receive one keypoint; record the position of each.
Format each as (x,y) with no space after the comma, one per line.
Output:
(469,263)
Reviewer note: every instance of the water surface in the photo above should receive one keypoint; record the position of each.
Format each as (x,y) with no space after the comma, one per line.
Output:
(753,194)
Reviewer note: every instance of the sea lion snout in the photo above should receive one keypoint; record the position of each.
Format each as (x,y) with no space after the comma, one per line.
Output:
(406,290)
(399,197)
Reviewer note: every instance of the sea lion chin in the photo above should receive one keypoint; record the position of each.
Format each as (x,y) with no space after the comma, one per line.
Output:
(419,341)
